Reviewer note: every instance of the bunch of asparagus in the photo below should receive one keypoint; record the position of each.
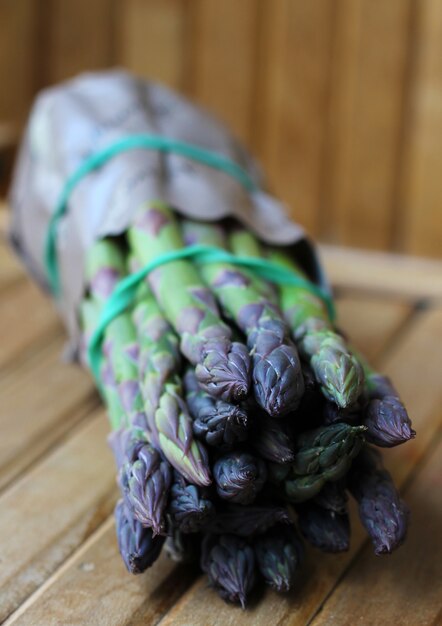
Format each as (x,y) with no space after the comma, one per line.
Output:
(240,416)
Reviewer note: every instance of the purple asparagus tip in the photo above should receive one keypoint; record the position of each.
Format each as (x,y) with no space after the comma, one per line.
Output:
(189,507)
(277,376)
(229,563)
(387,422)
(225,370)
(239,477)
(382,512)
(325,529)
(145,483)
(279,553)
(138,547)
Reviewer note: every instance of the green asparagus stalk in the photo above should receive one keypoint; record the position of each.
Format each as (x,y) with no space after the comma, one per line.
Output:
(169,422)
(222,365)
(89,314)
(277,376)
(336,369)
(105,266)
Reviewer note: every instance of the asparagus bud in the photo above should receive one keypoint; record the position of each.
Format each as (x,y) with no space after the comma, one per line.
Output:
(279,553)
(181,547)
(229,563)
(189,509)
(325,529)
(216,422)
(323,454)
(138,547)
(272,440)
(386,418)
(239,477)
(382,512)
(145,483)
(333,497)
(248,521)
(277,377)
(222,366)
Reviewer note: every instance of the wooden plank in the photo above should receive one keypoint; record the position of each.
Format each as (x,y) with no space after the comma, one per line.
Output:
(42,398)
(26,316)
(223,56)
(296,55)
(405,588)
(368,77)
(10,269)
(96,583)
(152,39)
(415,368)
(392,275)
(52,510)
(78,36)
(371,322)
(17,58)
(421,184)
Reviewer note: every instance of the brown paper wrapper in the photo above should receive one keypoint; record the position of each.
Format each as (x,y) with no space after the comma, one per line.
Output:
(72,121)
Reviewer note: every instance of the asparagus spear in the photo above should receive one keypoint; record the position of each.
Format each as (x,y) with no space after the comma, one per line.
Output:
(105,266)
(190,509)
(138,547)
(336,369)
(386,418)
(170,425)
(278,553)
(382,512)
(222,366)
(277,377)
(323,454)
(272,440)
(325,529)
(333,497)
(89,314)
(229,563)
(216,422)
(248,521)
(182,547)
(145,481)
(167,422)
(239,477)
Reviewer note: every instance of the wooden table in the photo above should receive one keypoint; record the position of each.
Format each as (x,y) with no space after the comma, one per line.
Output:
(59,558)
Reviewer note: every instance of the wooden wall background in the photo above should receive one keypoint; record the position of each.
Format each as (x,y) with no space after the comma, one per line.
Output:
(340,99)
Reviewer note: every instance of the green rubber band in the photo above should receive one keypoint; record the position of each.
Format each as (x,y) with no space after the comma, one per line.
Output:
(124,293)
(133,142)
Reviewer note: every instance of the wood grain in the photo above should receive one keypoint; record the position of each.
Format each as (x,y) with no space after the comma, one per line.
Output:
(26,316)
(77,36)
(10,270)
(223,60)
(297,47)
(151,39)
(369,322)
(421,188)
(17,59)
(389,275)
(52,510)
(94,588)
(405,588)
(370,45)
(36,411)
